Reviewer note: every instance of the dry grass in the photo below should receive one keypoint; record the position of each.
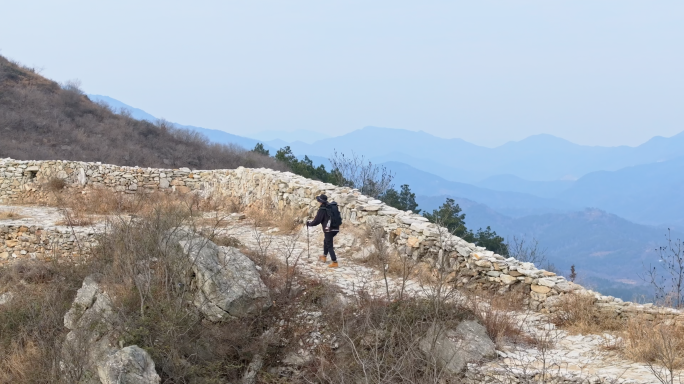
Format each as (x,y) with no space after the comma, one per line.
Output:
(379,342)
(264,214)
(78,219)
(11,214)
(497,312)
(54,184)
(234,205)
(578,314)
(651,342)
(225,240)
(31,323)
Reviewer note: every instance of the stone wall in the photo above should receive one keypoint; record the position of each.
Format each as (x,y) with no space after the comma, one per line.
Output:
(39,243)
(411,234)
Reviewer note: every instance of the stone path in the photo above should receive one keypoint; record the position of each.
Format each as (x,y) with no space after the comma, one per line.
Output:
(350,277)
(48,218)
(577,358)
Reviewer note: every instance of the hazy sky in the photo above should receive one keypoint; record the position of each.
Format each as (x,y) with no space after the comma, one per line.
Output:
(600,72)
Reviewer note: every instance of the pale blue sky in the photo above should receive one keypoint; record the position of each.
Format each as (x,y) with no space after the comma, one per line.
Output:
(599,72)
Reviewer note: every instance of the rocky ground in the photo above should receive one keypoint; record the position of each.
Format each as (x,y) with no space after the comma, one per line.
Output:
(576,357)
(569,357)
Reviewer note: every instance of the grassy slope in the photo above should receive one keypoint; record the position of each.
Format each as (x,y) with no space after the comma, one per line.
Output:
(40,120)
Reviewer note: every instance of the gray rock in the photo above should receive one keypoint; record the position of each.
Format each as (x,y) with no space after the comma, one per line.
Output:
(82,180)
(508,279)
(297,359)
(89,322)
(6,298)
(253,369)
(130,365)
(453,349)
(364,253)
(90,302)
(227,283)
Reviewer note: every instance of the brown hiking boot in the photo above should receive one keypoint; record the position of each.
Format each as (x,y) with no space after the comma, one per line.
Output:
(322,259)
(333,265)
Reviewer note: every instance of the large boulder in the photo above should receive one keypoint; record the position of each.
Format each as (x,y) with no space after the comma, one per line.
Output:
(454,348)
(88,354)
(89,321)
(130,365)
(226,283)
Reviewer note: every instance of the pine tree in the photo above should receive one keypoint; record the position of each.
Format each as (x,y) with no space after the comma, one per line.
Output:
(259,148)
(404,200)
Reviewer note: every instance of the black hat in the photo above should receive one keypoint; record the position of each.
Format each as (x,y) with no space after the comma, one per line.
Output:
(322,198)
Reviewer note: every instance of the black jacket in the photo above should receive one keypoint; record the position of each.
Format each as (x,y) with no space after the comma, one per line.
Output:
(322,219)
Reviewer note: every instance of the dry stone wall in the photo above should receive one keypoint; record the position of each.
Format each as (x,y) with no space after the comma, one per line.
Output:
(411,234)
(41,243)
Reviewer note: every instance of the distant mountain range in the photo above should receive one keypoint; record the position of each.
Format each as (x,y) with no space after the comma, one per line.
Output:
(308,137)
(539,157)
(603,209)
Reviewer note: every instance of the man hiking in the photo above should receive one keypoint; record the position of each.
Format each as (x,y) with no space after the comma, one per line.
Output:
(329,218)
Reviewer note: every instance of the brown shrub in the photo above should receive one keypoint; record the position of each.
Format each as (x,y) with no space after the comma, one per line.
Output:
(657,344)
(649,341)
(384,335)
(55,184)
(234,205)
(497,312)
(11,214)
(578,314)
(31,323)
(264,213)
(225,240)
(261,213)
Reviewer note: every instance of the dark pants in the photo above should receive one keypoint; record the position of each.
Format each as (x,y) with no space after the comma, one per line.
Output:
(328,245)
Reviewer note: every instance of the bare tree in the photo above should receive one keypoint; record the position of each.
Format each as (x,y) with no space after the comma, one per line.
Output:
(667,277)
(527,251)
(356,172)
(667,357)
(377,238)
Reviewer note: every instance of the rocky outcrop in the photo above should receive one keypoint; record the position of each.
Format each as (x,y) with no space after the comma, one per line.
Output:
(88,354)
(130,365)
(226,283)
(453,349)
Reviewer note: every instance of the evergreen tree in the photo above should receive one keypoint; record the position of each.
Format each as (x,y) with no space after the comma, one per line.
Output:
(404,200)
(490,240)
(449,215)
(305,166)
(259,148)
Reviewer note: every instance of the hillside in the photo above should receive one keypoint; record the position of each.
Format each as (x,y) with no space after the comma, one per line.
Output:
(41,119)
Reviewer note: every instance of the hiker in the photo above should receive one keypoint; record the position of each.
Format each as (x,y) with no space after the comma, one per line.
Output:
(329,218)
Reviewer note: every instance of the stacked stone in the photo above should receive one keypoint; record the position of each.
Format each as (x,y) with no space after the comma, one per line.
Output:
(476,374)
(38,243)
(412,234)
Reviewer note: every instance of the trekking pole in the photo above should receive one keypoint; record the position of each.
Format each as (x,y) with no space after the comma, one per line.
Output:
(308,250)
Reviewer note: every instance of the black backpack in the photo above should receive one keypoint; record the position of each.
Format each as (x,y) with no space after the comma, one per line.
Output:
(334,214)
